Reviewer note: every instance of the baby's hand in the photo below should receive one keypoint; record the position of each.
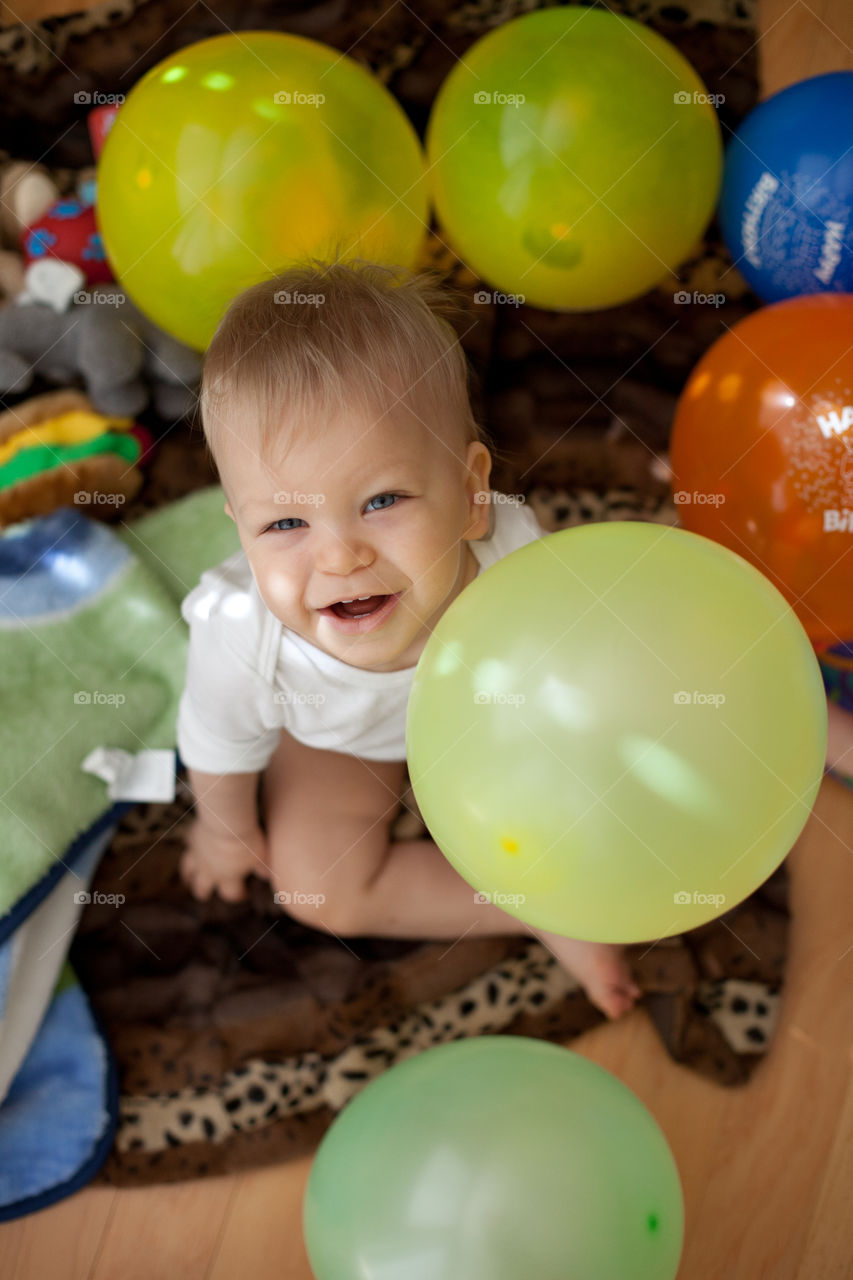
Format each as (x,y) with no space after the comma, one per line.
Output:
(216,861)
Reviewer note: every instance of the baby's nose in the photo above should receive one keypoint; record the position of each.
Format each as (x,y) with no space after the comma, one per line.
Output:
(341,554)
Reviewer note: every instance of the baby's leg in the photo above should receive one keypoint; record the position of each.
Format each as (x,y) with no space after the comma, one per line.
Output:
(328,818)
(418,893)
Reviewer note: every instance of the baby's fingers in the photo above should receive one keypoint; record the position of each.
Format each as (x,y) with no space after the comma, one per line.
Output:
(232,888)
(186,867)
(194,876)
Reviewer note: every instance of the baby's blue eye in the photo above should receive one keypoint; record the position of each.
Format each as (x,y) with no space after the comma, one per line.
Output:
(383,495)
(285,520)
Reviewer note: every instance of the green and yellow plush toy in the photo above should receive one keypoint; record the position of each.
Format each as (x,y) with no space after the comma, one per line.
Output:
(56,450)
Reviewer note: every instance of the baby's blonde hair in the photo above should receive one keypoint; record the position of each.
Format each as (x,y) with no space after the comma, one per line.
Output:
(325,336)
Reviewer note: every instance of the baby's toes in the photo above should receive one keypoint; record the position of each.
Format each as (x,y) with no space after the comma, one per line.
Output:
(618,1003)
(611,986)
(606,998)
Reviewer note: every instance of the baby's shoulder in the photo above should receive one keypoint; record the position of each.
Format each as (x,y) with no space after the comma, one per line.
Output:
(219,589)
(514,525)
(225,604)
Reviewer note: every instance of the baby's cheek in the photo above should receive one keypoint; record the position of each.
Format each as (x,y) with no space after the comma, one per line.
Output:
(277,590)
(441,569)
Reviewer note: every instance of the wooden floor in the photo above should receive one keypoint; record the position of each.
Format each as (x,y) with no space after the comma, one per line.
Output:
(767,1169)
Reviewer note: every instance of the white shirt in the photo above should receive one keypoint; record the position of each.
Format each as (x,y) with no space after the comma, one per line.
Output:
(248,676)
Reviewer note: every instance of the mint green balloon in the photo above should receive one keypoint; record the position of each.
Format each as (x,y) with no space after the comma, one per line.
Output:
(617,732)
(495,1158)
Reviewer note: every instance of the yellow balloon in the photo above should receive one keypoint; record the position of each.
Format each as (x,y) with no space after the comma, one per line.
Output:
(242,154)
(617,732)
(575,157)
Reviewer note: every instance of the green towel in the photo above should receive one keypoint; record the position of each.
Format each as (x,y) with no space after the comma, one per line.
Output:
(94,650)
(178,542)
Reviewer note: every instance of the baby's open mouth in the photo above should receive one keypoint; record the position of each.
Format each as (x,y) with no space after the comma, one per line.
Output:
(358,608)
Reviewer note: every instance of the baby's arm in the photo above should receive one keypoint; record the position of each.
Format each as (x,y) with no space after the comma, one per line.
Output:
(224,738)
(225,842)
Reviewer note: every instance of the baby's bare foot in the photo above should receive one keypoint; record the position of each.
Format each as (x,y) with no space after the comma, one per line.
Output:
(600,968)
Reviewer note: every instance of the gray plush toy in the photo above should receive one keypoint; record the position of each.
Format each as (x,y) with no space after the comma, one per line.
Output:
(123,359)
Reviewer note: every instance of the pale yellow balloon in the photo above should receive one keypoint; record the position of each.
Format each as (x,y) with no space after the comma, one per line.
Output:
(617,732)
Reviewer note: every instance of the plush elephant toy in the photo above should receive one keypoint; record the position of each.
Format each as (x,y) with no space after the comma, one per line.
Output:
(123,359)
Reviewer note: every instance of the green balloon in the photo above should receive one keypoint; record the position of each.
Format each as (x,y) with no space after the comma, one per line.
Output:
(617,732)
(494,1158)
(575,157)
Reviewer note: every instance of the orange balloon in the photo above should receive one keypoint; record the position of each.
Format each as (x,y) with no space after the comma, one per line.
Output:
(762,453)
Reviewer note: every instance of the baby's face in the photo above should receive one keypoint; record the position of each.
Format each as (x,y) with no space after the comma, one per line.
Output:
(359,509)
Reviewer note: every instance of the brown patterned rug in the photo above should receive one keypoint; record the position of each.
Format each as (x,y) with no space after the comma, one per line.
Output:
(239,1033)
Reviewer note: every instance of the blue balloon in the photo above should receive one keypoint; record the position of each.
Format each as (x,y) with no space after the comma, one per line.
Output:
(787,194)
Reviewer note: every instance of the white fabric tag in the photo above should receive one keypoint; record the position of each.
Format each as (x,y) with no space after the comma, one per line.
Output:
(52,282)
(147,776)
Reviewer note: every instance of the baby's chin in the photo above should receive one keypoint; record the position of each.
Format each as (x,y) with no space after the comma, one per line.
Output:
(379,652)
(376,656)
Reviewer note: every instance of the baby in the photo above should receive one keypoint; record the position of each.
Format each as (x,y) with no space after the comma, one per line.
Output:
(334,402)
